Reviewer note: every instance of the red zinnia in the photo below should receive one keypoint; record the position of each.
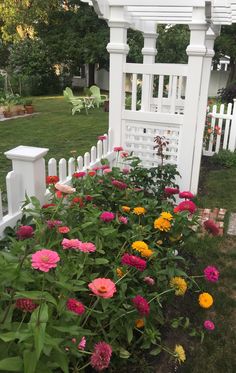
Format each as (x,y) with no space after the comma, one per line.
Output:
(134,261)
(91,173)
(80,174)
(186,206)
(52,179)
(169,191)
(101,356)
(75,306)
(119,184)
(48,205)
(211,227)
(88,198)
(142,305)
(63,229)
(186,195)
(25,231)
(78,200)
(26,304)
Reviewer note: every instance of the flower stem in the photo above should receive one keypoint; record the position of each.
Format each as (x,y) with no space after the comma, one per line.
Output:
(158,295)
(84,366)
(90,311)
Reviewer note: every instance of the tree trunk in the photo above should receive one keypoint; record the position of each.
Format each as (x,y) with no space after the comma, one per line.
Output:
(232,73)
(91,74)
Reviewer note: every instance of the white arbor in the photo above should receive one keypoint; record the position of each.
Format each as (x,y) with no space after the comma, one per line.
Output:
(175,107)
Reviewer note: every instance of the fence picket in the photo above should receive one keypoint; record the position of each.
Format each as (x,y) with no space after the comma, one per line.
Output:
(213,121)
(86,160)
(232,136)
(160,93)
(52,167)
(14,195)
(80,163)
(105,145)
(173,95)
(1,210)
(99,150)
(110,141)
(93,154)
(134,92)
(71,166)
(220,122)
(227,125)
(62,169)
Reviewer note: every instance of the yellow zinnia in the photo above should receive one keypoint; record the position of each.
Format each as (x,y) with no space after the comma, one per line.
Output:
(126,208)
(166,215)
(205,300)
(179,284)
(146,253)
(139,246)
(139,323)
(139,210)
(180,353)
(119,272)
(162,224)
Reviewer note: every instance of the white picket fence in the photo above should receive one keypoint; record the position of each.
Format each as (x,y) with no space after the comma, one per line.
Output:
(225,120)
(29,173)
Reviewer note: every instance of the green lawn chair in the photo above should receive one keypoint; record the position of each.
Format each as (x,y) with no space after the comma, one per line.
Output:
(77,103)
(97,97)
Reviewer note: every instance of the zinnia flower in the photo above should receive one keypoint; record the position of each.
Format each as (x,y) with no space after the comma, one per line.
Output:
(82,344)
(205,300)
(139,210)
(107,171)
(149,280)
(79,175)
(211,274)
(119,272)
(25,304)
(170,191)
(143,248)
(44,260)
(64,230)
(78,200)
(134,261)
(24,232)
(162,224)
(47,205)
(209,325)
(139,323)
(124,154)
(211,227)
(107,216)
(75,306)
(186,195)
(167,215)
(180,354)
(53,223)
(65,188)
(87,247)
(88,198)
(71,244)
(91,173)
(105,166)
(103,137)
(186,206)
(103,287)
(123,220)
(119,184)
(179,284)
(52,179)
(126,208)
(142,305)
(118,149)
(101,356)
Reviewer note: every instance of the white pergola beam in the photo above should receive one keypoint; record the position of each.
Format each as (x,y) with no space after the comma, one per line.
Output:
(198,3)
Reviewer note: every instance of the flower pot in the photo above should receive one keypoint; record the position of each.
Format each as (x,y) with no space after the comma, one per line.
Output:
(2,109)
(20,110)
(7,114)
(29,109)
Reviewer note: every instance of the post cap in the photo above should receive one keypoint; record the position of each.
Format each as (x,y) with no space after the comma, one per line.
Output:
(26,153)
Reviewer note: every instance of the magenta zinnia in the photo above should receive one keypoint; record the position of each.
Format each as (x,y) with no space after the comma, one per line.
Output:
(103,287)
(119,184)
(107,216)
(101,356)
(134,261)
(44,260)
(186,206)
(26,304)
(211,227)
(25,231)
(142,305)
(75,306)
(209,325)
(211,274)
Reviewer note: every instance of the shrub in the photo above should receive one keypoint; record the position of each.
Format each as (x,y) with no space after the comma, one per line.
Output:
(227,94)
(85,280)
(225,158)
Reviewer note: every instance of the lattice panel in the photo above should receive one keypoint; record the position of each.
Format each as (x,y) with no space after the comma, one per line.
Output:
(138,137)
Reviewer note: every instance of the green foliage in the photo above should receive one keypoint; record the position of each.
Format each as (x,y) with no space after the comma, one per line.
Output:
(225,158)
(44,339)
(228,94)
(172,43)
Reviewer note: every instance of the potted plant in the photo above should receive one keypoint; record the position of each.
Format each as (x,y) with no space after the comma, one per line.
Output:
(29,107)
(2,106)
(20,106)
(7,110)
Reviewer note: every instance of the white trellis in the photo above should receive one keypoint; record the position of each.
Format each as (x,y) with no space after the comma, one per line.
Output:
(176,108)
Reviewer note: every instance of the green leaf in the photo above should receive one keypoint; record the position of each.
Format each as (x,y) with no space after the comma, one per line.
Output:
(129,334)
(38,321)
(30,361)
(155,351)
(12,364)
(101,261)
(37,295)
(124,354)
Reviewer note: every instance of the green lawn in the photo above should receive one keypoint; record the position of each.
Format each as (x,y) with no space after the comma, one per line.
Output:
(53,127)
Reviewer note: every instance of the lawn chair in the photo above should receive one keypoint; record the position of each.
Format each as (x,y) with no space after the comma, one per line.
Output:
(97,97)
(77,103)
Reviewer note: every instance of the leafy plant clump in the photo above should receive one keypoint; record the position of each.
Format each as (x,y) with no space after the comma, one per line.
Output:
(88,278)
(225,158)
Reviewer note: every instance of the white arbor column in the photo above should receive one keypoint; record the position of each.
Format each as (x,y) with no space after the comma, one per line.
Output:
(29,164)
(206,74)
(149,53)
(118,50)
(196,52)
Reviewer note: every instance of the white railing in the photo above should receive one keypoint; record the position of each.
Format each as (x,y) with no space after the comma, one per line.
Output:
(29,175)
(166,84)
(223,129)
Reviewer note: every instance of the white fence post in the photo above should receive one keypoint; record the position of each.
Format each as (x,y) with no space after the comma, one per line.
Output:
(232,136)
(29,164)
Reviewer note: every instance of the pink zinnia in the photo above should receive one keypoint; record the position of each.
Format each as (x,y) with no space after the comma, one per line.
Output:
(142,305)
(24,232)
(126,171)
(119,184)
(53,223)
(82,344)
(103,287)
(26,304)
(107,216)
(211,227)
(65,188)
(149,280)
(118,149)
(124,155)
(96,168)
(186,195)
(134,261)
(44,260)
(87,247)
(63,229)
(123,219)
(211,274)
(102,137)
(105,167)
(71,244)
(209,325)
(186,206)
(107,171)
(78,175)
(169,191)
(101,356)
(75,306)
